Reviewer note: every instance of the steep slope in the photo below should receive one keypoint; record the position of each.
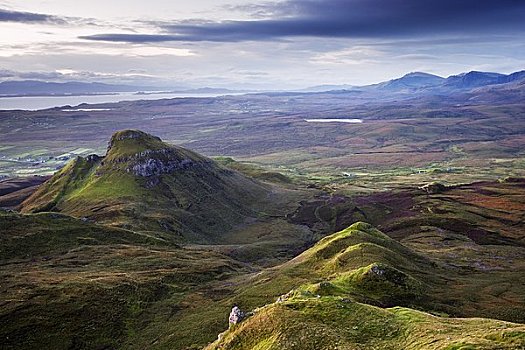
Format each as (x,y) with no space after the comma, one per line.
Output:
(474,235)
(336,288)
(111,288)
(358,262)
(148,185)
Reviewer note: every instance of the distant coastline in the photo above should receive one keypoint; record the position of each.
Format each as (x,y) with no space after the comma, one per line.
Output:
(60,95)
(32,103)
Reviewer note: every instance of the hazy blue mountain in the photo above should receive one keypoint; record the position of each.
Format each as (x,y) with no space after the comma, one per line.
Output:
(516,76)
(422,82)
(473,79)
(41,88)
(415,80)
(419,82)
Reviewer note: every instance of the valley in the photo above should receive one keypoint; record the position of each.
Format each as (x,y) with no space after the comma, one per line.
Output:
(462,250)
(404,132)
(140,224)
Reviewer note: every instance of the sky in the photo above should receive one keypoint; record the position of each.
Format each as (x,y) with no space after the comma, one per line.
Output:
(285,44)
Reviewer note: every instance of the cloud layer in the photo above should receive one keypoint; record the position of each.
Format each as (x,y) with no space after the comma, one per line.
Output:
(257,44)
(346,19)
(29,17)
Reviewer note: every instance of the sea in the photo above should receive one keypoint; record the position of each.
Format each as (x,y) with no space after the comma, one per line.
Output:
(33,103)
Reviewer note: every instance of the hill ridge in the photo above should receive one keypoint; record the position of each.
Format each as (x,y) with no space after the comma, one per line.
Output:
(356,289)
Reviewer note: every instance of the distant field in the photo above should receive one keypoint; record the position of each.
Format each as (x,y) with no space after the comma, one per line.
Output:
(401,141)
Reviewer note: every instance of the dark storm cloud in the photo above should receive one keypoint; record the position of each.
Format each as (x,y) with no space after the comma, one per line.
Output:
(349,19)
(29,17)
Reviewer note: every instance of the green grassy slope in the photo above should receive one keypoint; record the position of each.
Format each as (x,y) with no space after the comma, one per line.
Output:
(49,234)
(329,322)
(358,262)
(473,233)
(325,309)
(364,266)
(68,284)
(147,185)
(115,288)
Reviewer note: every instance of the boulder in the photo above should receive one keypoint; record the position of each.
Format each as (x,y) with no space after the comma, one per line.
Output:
(236,316)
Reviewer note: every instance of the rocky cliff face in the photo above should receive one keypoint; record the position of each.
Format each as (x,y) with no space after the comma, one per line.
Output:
(145,155)
(152,166)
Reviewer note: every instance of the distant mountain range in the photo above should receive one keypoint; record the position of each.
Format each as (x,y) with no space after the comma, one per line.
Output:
(327,87)
(425,82)
(415,82)
(479,79)
(42,88)
(412,81)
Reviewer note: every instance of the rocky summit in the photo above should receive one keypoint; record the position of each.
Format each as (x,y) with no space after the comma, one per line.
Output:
(147,156)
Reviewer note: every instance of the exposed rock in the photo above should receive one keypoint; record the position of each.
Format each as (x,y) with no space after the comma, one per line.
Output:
(378,270)
(384,272)
(154,166)
(147,155)
(93,158)
(164,153)
(236,316)
(285,297)
(433,188)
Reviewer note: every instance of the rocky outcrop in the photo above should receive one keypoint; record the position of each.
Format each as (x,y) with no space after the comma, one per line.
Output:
(236,316)
(387,273)
(146,155)
(144,184)
(93,158)
(154,166)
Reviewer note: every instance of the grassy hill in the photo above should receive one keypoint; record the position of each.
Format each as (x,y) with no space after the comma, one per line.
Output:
(145,184)
(331,322)
(151,245)
(339,281)
(91,286)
